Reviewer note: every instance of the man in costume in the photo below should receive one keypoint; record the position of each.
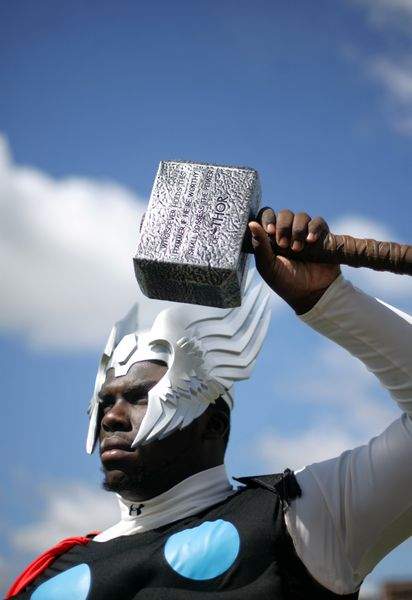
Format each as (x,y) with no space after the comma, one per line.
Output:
(161,415)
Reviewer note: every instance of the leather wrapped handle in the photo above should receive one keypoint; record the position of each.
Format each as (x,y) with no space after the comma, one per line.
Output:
(355,252)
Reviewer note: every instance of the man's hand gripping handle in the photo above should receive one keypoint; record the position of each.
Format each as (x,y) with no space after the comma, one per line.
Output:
(299,258)
(347,250)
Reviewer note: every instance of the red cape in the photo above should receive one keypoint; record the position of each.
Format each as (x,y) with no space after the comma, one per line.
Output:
(40,564)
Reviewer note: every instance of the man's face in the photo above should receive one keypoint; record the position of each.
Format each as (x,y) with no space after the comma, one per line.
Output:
(123,407)
(147,470)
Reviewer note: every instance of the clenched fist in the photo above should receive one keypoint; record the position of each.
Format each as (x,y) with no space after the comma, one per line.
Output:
(300,284)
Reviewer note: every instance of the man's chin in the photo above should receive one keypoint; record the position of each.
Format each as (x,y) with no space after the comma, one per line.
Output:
(116,480)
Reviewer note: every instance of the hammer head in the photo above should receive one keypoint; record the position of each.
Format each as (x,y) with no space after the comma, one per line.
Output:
(190,242)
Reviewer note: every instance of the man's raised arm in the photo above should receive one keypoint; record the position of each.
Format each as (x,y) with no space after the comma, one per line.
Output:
(365,504)
(356,507)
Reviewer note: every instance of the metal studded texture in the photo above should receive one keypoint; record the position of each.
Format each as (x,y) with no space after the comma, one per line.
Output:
(190,242)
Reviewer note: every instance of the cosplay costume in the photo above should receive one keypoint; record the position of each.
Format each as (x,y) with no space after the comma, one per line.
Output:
(317,533)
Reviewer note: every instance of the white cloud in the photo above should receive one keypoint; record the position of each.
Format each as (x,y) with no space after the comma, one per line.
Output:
(350,409)
(382,13)
(392,69)
(318,443)
(351,394)
(396,78)
(387,286)
(66,249)
(69,509)
(359,226)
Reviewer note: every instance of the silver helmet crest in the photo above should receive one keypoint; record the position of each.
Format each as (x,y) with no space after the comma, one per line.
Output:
(206,350)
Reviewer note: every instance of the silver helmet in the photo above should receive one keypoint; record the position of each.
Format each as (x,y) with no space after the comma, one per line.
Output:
(206,350)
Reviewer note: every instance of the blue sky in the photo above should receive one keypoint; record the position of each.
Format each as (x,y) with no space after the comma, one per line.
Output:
(315,95)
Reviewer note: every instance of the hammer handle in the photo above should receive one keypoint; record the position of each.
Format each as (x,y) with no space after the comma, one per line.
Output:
(347,250)
(355,252)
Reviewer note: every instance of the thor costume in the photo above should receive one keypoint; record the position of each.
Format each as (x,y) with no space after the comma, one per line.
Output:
(160,413)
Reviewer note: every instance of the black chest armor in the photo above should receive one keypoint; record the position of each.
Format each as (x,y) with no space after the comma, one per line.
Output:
(146,566)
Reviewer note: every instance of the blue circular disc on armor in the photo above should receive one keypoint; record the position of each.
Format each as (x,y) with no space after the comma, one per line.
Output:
(205,551)
(73,584)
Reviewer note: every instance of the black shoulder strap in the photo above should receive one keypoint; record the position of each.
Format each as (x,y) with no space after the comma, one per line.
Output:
(283,484)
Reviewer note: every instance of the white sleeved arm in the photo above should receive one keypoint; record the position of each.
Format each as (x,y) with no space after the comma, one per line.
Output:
(357,507)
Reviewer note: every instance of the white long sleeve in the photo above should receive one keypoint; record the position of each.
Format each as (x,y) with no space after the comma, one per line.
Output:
(357,507)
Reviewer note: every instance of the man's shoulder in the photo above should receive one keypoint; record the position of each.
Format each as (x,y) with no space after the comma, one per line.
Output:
(284,484)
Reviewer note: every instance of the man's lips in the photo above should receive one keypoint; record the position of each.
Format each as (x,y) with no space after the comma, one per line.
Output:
(114,448)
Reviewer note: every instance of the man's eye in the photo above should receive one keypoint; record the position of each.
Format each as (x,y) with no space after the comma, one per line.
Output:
(106,403)
(139,401)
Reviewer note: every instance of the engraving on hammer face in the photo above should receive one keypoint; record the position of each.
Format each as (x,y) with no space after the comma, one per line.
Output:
(173,203)
(185,212)
(221,207)
(200,217)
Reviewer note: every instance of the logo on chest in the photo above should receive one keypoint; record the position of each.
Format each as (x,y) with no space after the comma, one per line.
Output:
(203,552)
(134,511)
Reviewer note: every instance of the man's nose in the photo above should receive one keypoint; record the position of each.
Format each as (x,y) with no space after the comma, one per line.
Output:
(117,417)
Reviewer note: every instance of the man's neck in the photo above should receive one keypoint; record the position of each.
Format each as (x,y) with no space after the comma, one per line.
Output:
(151,482)
(195,493)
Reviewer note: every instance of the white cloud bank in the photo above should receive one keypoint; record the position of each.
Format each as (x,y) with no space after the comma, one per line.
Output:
(68,509)
(66,249)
